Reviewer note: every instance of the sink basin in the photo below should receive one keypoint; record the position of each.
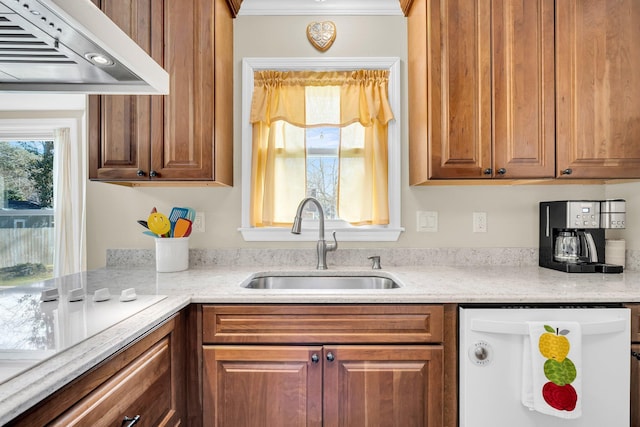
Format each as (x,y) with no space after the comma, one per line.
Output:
(321,282)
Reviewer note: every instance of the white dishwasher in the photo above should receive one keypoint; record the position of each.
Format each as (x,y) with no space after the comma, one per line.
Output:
(544,366)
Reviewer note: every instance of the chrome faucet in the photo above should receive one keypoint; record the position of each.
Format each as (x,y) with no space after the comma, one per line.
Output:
(322,246)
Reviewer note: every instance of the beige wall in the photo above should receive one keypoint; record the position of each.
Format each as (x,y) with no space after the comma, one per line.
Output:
(512,210)
(112,210)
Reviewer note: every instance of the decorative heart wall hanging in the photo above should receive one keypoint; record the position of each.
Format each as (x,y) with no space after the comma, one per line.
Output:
(321,34)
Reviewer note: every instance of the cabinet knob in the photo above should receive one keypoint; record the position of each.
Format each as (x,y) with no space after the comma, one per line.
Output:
(129,422)
(153,173)
(140,172)
(315,358)
(502,171)
(330,357)
(567,171)
(487,171)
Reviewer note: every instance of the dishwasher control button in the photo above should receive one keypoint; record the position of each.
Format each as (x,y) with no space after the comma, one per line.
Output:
(480,353)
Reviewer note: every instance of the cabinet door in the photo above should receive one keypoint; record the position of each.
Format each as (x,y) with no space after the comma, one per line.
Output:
(458,91)
(262,386)
(186,135)
(598,88)
(524,89)
(120,126)
(186,151)
(383,386)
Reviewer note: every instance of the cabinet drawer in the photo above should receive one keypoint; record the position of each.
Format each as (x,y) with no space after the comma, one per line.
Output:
(142,388)
(146,378)
(322,324)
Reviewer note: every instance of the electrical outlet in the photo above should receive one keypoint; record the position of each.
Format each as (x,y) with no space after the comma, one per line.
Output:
(427,221)
(198,223)
(479,222)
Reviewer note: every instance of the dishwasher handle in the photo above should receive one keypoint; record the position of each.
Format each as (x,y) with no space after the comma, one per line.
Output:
(521,328)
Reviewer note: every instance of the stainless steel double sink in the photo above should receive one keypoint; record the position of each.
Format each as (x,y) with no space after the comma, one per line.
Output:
(321,282)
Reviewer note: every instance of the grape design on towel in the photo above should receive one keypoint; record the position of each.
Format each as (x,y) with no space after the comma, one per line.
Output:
(558,369)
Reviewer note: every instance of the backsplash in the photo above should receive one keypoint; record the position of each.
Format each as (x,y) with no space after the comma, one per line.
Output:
(391,257)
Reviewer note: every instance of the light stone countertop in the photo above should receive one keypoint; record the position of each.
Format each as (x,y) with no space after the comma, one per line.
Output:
(431,284)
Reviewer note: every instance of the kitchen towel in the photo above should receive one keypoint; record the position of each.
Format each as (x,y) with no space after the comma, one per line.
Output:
(552,369)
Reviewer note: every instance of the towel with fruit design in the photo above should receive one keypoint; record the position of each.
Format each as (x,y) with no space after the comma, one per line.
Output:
(552,368)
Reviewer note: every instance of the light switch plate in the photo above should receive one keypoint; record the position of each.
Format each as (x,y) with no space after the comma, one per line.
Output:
(198,223)
(427,221)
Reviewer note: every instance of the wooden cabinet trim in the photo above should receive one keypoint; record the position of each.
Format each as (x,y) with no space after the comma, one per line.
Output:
(323,324)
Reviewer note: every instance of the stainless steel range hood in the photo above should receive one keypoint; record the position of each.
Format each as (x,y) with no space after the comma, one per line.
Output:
(71,46)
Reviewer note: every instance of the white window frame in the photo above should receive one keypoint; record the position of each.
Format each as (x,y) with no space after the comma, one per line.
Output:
(344,232)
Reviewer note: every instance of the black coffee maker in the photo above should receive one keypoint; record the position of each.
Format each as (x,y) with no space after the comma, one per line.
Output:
(572,234)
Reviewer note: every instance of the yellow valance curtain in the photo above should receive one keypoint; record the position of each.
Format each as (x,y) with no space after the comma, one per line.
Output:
(284,104)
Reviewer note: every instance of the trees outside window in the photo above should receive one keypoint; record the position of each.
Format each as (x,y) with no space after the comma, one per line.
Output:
(26,218)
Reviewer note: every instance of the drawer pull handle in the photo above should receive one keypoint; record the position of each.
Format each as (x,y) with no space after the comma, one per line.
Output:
(330,357)
(129,422)
(315,358)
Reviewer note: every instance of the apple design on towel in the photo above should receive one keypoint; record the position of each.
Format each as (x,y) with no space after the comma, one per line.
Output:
(559,370)
(560,397)
(553,344)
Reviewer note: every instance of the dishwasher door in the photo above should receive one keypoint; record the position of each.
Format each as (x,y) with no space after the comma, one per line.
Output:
(492,343)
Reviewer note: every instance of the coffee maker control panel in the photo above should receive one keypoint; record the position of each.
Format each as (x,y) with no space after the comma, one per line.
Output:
(613,213)
(583,214)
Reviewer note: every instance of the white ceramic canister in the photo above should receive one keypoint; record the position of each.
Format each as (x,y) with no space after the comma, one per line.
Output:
(172,254)
(614,251)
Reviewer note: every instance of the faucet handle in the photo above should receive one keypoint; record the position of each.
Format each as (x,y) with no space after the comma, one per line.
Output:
(375,262)
(332,246)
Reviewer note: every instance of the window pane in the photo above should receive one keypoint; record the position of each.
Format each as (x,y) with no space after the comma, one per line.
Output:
(322,169)
(26,211)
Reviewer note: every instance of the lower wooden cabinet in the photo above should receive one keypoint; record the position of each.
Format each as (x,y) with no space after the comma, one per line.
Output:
(326,366)
(309,386)
(146,379)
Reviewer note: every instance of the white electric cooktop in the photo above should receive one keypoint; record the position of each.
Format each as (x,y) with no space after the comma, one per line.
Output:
(32,330)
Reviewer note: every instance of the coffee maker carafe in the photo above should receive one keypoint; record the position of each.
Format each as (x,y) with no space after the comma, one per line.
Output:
(572,234)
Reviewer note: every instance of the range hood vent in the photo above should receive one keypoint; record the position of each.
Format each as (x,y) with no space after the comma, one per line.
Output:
(70,46)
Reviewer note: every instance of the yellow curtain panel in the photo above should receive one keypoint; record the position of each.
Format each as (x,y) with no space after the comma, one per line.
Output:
(284,104)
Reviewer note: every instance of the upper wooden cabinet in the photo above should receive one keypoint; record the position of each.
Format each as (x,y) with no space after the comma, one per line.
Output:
(598,102)
(482,86)
(188,134)
(488,79)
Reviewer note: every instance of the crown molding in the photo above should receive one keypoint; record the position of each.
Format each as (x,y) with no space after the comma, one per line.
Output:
(320,7)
